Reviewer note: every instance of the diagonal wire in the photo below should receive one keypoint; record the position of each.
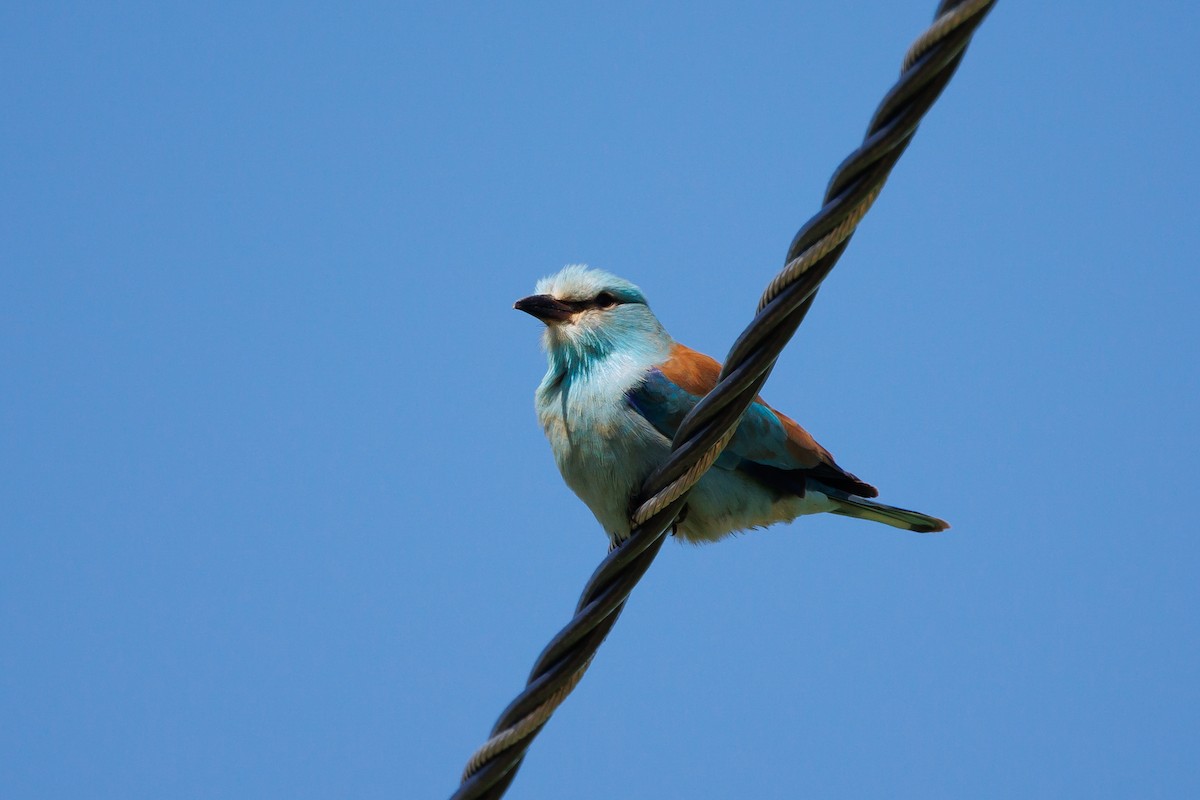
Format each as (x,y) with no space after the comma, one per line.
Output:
(928,66)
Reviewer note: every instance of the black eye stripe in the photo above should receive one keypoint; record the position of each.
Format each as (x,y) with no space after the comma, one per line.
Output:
(602,300)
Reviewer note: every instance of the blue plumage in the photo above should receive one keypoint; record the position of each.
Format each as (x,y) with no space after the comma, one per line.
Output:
(618,387)
(760,437)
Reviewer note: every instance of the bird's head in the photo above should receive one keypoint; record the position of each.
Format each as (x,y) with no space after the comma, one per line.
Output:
(593,313)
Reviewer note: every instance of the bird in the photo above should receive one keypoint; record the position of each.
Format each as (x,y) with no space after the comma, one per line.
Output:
(616,389)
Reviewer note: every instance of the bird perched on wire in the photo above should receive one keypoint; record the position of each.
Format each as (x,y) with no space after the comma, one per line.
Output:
(618,387)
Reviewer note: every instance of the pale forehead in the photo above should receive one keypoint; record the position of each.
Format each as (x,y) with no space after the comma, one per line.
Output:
(580,282)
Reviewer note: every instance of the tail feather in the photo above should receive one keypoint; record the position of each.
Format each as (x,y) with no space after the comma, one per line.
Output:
(849,505)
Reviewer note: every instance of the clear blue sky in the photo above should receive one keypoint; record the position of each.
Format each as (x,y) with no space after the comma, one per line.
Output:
(278,519)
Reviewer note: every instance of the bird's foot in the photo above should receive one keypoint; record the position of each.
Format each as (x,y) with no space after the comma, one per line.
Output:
(679,519)
(674,525)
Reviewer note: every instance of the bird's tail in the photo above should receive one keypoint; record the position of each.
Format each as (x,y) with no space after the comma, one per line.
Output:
(851,505)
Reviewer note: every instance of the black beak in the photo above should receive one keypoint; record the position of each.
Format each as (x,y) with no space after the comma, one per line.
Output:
(544,307)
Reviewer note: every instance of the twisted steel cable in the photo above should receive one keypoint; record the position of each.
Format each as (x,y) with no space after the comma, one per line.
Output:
(928,66)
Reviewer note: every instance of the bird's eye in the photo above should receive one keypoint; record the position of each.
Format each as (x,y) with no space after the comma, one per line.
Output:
(606,300)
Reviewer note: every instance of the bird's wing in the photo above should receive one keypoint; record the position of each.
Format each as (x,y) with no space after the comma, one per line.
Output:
(767,445)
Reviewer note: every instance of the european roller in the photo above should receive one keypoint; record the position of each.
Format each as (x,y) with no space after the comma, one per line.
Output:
(618,387)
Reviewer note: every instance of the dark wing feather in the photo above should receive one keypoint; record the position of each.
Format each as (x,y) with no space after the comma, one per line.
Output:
(768,446)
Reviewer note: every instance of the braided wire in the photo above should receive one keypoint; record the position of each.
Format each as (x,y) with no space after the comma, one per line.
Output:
(928,66)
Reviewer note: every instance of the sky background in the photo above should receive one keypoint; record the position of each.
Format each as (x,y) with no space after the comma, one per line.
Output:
(278,519)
